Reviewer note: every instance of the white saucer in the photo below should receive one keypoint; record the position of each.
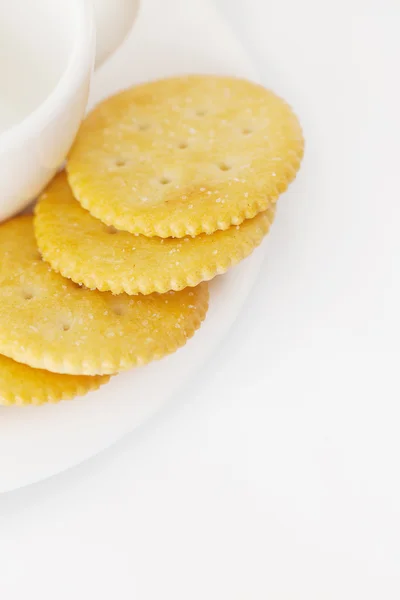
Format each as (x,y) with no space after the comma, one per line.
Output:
(169,38)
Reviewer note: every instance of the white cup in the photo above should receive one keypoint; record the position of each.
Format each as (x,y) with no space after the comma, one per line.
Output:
(47,53)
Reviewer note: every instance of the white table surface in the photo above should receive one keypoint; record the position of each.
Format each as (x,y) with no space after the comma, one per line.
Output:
(276,475)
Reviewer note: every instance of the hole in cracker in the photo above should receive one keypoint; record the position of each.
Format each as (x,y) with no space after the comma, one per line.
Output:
(120,162)
(27,295)
(65,326)
(247,131)
(201,112)
(119,310)
(143,126)
(111,229)
(224,166)
(164,180)
(183,145)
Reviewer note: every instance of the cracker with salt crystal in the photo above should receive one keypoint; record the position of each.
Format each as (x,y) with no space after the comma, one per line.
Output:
(21,385)
(90,253)
(184,156)
(49,322)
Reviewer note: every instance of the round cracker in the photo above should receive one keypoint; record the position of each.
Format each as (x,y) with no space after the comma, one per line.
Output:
(49,322)
(82,248)
(22,385)
(185,156)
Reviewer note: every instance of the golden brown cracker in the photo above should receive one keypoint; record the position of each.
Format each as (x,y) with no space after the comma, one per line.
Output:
(185,156)
(49,322)
(82,248)
(22,385)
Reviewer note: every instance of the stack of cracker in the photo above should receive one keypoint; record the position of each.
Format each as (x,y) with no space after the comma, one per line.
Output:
(168,184)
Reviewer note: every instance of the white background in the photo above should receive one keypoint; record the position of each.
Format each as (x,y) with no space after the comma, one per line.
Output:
(276,474)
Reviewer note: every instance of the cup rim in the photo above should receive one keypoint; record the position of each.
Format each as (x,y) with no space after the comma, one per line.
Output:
(76,67)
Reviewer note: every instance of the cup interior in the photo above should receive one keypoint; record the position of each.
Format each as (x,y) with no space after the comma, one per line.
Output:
(37,39)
